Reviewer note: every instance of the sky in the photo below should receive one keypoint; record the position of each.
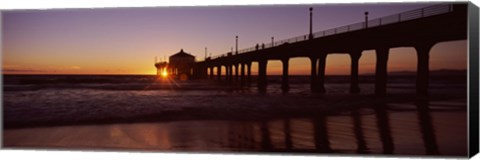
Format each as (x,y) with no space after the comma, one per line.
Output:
(127,40)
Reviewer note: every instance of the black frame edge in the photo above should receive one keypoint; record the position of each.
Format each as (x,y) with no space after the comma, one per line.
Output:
(473,42)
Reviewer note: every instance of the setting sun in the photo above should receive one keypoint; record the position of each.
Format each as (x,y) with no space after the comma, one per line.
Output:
(164,73)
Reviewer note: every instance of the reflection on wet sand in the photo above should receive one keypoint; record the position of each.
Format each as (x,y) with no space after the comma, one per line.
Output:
(426,126)
(321,134)
(383,124)
(356,131)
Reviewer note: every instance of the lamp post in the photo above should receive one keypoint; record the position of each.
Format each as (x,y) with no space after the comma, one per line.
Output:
(272,42)
(310,36)
(366,19)
(236,44)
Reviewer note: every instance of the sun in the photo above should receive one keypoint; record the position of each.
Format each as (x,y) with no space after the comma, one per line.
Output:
(164,73)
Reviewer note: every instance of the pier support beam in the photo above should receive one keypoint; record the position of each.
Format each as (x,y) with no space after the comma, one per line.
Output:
(226,72)
(262,76)
(321,73)
(219,72)
(381,71)
(204,71)
(242,74)
(355,56)
(249,72)
(229,74)
(211,72)
(285,86)
(232,73)
(313,74)
(422,68)
(236,71)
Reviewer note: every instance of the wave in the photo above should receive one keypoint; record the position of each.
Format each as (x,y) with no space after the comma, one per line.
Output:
(150,82)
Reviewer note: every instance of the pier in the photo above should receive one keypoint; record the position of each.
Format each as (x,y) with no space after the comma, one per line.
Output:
(421,29)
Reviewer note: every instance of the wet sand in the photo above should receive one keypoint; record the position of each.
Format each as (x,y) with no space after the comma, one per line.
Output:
(410,130)
(53,107)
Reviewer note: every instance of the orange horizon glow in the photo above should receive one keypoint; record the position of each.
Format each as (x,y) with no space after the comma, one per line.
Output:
(400,59)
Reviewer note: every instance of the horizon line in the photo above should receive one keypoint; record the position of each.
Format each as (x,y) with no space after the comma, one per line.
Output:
(133,74)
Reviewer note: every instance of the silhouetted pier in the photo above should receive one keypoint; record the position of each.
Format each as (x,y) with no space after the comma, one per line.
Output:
(421,29)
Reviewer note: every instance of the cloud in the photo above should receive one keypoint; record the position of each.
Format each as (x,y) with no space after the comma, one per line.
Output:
(76,67)
(21,70)
(11,66)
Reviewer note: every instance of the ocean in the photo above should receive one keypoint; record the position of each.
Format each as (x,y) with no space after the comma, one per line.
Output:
(141,112)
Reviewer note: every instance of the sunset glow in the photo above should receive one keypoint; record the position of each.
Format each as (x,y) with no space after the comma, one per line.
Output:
(125,40)
(164,73)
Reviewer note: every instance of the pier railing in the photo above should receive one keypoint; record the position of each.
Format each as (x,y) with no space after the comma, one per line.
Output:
(396,18)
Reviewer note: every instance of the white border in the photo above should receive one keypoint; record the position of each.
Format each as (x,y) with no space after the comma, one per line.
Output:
(48,4)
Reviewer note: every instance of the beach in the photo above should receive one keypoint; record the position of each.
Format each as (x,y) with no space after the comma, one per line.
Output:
(108,113)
